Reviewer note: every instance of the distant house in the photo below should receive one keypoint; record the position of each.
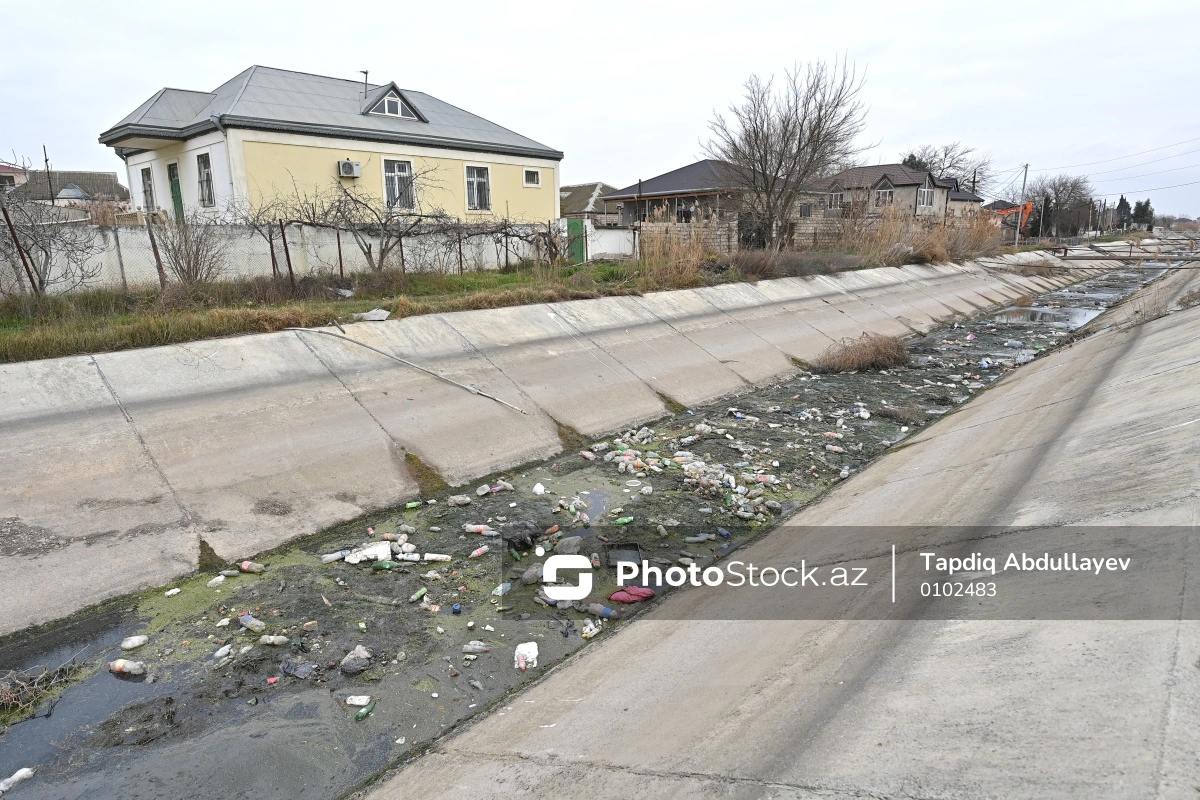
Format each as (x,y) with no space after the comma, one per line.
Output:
(84,186)
(999,205)
(584,201)
(960,203)
(12,176)
(869,191)
(267,133)
(706,193)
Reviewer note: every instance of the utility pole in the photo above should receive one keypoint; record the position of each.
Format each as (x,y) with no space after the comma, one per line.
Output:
(49,183)
(1025,177)
(1042,217)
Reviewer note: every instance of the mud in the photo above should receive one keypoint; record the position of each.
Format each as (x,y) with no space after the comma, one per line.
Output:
(271,721)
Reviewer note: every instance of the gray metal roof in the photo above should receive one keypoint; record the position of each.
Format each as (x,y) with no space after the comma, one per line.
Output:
(583,198)
(703,177)
(93,184)
(265,98)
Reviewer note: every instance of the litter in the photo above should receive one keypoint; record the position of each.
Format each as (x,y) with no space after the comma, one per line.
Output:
(358,700)
(122,666)
(356,661)
(525,656)
(133,642)
(374,315)
(172,592)
(22,774)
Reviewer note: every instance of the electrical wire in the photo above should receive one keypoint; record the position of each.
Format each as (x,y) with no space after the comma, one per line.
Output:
(1146,174)
(1141,191)
(1119,158)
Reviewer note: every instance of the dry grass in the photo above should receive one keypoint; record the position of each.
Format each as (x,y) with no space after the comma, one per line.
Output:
(22,692)
(1190,299)
(673,258)
(869,351)
(1023,301)
(894,238)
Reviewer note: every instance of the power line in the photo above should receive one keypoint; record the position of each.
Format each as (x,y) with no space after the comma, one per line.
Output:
(1147,174)
(1119,158)
(1144,163)
(1141,191)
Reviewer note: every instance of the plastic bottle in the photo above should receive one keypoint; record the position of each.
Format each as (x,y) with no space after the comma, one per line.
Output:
(469,528)
(478,551)
(331,557)
(600,611)
(277,641)
(251,566)
(250,623)
(133,642)
(417,595)
(476,646)
(381,566)
(436,557)
(123,666)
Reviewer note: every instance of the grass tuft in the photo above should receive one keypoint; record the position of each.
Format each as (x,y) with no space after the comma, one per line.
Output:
(869,351)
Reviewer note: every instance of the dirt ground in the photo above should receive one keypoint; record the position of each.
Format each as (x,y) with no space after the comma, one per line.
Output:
(724,473)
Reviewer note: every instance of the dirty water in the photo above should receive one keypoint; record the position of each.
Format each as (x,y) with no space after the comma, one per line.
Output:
(272,721)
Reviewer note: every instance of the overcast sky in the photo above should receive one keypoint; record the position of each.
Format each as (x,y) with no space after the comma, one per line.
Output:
(626,89)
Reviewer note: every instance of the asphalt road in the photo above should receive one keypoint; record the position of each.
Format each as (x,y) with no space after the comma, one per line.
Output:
(1106,432)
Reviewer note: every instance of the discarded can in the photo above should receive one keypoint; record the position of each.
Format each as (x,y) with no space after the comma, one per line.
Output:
(251,566)
(365,712)
(123,666)
(133,642)
(417,595)
(478,551)
(476,646)
(250,623)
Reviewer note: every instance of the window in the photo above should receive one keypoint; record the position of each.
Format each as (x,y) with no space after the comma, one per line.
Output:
(479,194)
(399,185)
(204,169)
(884,195)
(7,182)
(925,194)
(835,200)
(805,209)
(533,177)
(392,106)
(147,191)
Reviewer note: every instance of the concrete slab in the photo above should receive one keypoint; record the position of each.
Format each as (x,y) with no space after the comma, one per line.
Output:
(84,514)
(260,442)
(665,359)
(869,316)
(697,315)
(459,434)
(570,377)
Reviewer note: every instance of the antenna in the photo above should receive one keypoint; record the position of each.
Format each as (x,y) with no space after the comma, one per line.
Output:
(364,72)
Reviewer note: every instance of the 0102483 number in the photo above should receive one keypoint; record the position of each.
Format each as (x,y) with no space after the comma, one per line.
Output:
(955,589)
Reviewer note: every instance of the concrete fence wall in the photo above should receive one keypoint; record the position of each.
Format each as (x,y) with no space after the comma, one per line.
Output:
(118,464)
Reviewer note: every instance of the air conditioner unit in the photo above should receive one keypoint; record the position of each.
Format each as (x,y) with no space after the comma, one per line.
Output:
(349,169)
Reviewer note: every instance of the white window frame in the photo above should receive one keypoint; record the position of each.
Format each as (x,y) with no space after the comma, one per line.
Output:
(525,172)
(925,194)
(412,193)
(835,200)
(472,189)
(206,193)
(885,197)
(401,107)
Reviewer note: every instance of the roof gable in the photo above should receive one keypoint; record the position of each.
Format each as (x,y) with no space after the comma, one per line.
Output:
(376,96)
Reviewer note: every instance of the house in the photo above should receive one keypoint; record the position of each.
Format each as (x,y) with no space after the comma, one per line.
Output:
(869,191)
(960,203)
(705,193)
(584,201)
(268,133)
(86,186)
(12,176)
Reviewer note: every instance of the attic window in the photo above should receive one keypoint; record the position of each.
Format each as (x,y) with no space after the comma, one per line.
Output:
(391,105)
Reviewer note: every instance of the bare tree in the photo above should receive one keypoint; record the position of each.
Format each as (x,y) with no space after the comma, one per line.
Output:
(194,248)
(261,215)
(1062,203)
(972,169)
(776,140)
(46,247)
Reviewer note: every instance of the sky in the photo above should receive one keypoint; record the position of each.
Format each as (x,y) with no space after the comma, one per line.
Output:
(626,89)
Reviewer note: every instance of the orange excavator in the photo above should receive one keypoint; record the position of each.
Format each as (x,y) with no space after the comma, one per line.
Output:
(1026,210)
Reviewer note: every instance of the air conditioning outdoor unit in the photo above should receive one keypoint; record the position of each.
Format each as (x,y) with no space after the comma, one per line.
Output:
(349,169)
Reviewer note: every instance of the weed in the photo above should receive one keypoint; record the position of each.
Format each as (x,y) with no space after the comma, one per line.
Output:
(869,351)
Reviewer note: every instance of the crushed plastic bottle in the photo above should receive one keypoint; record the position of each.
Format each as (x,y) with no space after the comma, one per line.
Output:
(123,666)
(251,566)
(600,610)
(476,646)
(133,642)
(417,595)
(250,623)
(478,551)
(329,558)
(275,641)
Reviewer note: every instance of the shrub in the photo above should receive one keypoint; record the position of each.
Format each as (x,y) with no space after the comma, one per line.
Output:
(869,351)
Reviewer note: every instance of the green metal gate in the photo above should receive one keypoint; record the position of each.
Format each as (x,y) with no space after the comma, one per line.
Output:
(176,195)
(576,241)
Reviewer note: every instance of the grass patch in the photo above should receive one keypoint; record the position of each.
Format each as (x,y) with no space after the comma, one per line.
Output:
(673,405)
(1190,299)
(869,351)
(428,481)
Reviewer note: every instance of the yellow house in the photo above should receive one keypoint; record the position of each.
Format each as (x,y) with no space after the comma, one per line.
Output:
(271,132)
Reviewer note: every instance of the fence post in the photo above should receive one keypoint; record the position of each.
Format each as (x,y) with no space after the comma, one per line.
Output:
(403,266)
(458,231)
(120,258)
(271,245)
(287,254)
(12,231)
(341,269)
(162,273)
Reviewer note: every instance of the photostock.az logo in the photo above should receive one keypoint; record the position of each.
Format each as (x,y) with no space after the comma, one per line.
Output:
(567,592)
